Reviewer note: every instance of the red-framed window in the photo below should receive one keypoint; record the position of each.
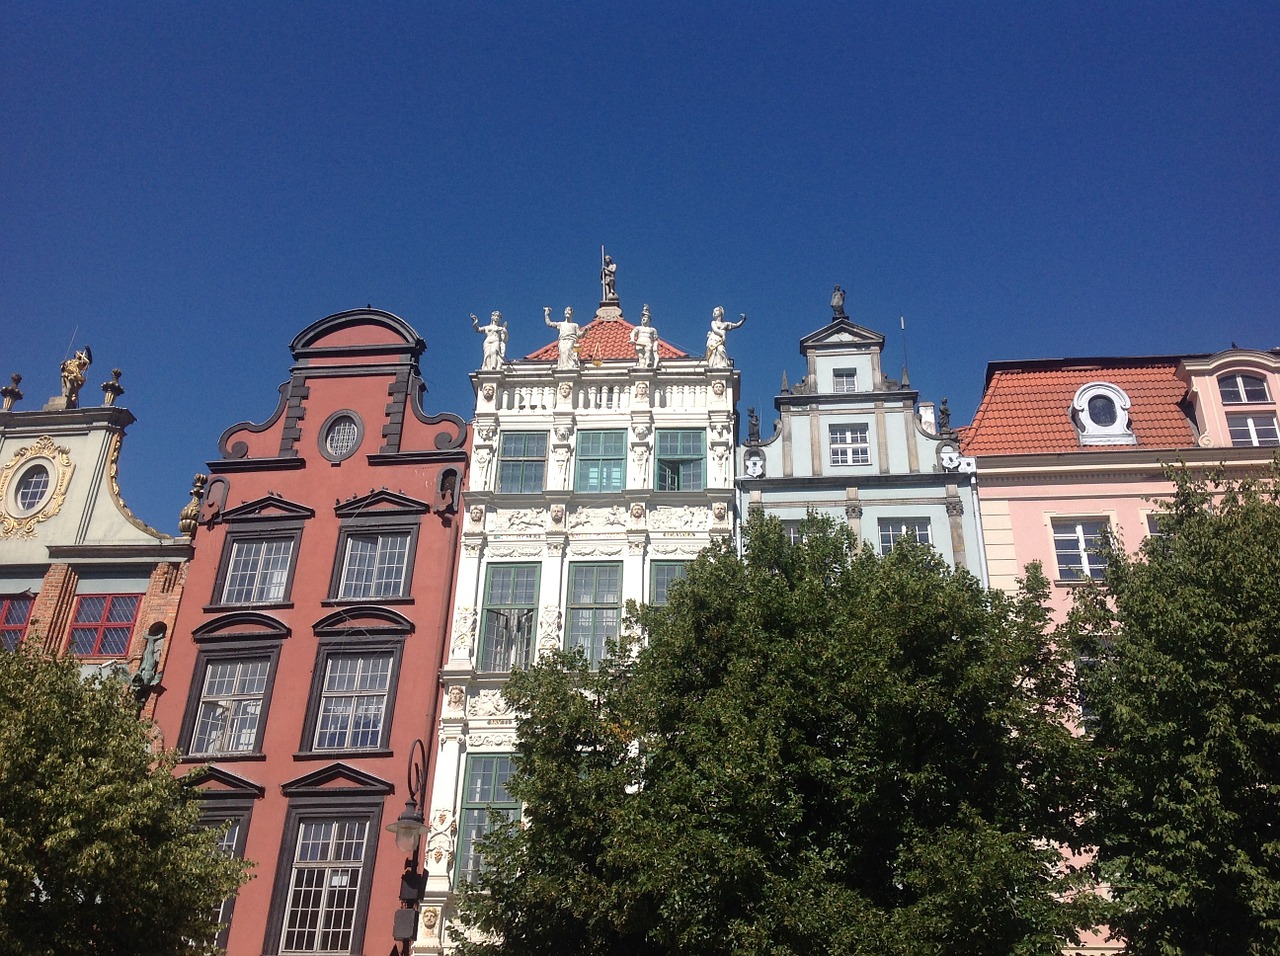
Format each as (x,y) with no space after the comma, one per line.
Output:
(15,612)
(103,623)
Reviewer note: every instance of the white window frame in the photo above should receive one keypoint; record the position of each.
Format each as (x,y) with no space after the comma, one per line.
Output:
(844,381)
(892,529)
(333,881)
(387,574)
(1257,429)
(1237,379)
(228,720)
(258,571)
(849,443)
(353,704)
(1082,536)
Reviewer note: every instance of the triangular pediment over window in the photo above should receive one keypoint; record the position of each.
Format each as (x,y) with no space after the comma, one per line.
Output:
(381,502)
(368,618)
(841,334)
(334,780)
(215,783)
(270,508)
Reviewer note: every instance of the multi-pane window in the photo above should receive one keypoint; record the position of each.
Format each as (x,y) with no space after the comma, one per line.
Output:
(32,488)
(680,459)
(522,462)
(665,574)
(259,571)
(1237,389)
(229,844)
(375,565)
(792,528)
(103,623)
(891,529)
(849,445)
(353,701)
(510,611)
(15,612)
(594,606)
(229,714)
(324,887)
(602,461)
(845,380)
(485,805)
(1079,543)
(1253,430)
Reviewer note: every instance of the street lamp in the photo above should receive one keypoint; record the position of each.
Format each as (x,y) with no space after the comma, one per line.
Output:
(408,829)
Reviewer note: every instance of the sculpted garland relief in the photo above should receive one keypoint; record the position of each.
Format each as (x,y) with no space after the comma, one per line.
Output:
(464,629)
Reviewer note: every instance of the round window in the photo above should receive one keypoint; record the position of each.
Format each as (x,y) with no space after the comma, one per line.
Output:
(341,436)
(32,489)
(1102,410)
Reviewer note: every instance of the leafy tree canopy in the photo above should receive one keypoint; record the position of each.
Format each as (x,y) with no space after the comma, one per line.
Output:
(100,848)
(814,750)
(1184,708)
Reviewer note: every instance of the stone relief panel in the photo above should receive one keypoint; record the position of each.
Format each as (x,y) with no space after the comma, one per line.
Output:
(488,703)
(500,739)
(518,519)
(441,833)
(598,519)
(684,518)
(464,629)
(549,628)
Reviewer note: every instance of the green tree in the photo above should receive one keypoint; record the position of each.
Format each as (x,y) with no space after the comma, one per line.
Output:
(816,750)
(1184,710)
(100,848)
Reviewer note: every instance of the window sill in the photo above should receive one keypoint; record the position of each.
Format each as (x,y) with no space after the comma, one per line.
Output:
(353,752)
(261,606)
(222,758)
(1075,582)
(352,602)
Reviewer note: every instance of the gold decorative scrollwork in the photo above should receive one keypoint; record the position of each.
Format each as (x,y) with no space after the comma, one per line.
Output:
(23,525)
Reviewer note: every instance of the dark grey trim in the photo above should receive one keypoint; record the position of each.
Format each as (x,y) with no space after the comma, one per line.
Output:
(411,342)
(294,414)
(240,449)
(179,550)
(444,441)
(266,628)
(256,464)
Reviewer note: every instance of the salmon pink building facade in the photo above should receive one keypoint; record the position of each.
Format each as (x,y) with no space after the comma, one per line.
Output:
(312,633)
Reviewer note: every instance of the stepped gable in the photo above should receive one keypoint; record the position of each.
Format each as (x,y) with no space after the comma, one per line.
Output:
(607,337)
(1026,406)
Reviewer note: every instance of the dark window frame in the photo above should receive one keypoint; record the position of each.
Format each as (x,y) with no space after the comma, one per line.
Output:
(337,808)
(215,811)
(251,531)
(379,523)
(322,440)
(217,652)
(350,644)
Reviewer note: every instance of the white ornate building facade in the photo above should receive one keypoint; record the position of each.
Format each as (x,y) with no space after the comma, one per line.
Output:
(602,464)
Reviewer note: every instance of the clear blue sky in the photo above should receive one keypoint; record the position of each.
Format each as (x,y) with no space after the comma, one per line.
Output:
(185,186)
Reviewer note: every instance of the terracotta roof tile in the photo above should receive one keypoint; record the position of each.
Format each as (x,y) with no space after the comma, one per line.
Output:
(1027,411)
(604,339)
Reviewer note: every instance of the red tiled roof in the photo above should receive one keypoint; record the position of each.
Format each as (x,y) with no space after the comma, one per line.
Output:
(1028,410)
(604,339)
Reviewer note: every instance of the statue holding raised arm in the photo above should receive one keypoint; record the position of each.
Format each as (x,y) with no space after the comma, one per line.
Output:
(717,357)
(495,340)
(73,375)
(645,338)
(567,343)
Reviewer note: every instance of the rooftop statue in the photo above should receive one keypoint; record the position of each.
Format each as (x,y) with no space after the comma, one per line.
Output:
(717,357)
(73,375)
(837,303)
(568,333)
(495,340)
(608,276)
(645,338)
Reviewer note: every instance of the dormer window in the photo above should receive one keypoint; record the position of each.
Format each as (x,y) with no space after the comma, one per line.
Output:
(844,380)
(1240,389)
(1101,414)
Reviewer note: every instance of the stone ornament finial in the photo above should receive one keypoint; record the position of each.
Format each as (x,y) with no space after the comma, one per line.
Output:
(12,393)
(717,357)
(495,340)
(113,389)
(189,517)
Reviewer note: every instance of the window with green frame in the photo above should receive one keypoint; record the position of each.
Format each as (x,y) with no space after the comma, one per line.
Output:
(602,461)
(485,805)
(508,623)
(663,574)
(522,462)
(595,607)
(681,459)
